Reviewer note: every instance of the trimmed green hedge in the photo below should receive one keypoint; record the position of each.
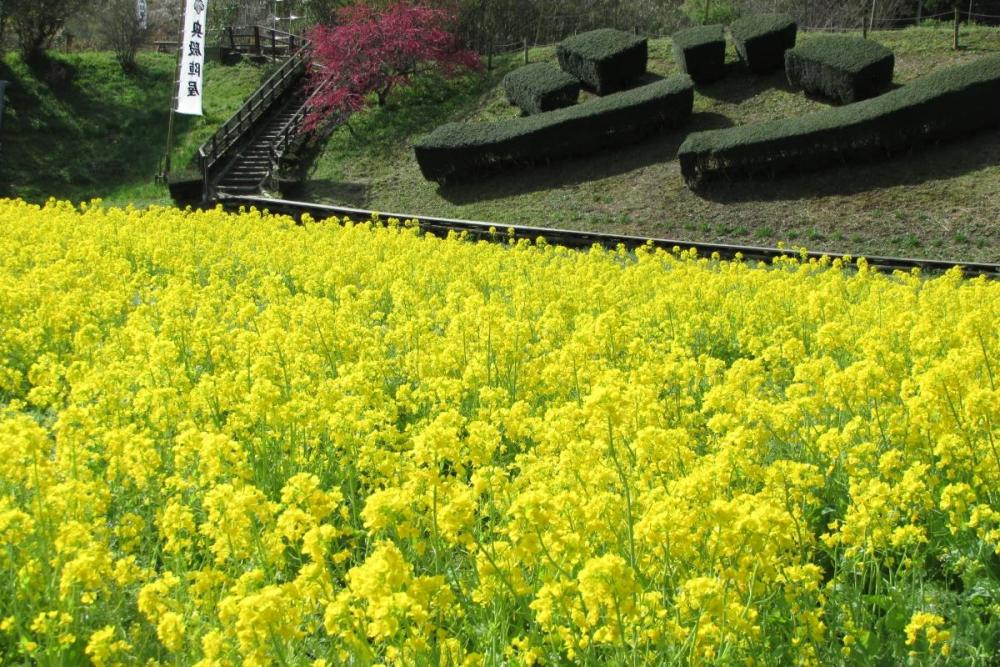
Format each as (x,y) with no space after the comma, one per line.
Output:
(843,68)
(604,60)
(701,52)
(762,40)
(541,87)
(462,150)
(947,104)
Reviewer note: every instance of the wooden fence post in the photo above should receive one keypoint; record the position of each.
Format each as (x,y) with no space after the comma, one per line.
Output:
(525,50)
(956,28)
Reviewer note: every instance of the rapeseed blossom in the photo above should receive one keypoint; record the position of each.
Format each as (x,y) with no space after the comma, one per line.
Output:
(230,439)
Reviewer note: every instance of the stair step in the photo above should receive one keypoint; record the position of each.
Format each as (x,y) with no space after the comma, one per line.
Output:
(240,181)
(244,175)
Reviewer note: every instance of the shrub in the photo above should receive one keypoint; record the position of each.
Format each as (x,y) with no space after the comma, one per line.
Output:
(701,52)
(762,39)
(541,87)
(940,106)
(462,149)
(604,60)
(840,67)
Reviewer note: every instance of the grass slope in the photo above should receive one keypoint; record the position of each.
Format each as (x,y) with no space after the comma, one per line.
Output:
(97,132)
(942,202)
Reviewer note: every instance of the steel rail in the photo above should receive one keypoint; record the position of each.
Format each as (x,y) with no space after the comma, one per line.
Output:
(479,230)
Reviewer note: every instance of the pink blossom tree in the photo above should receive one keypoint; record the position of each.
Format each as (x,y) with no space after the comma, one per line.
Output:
(368,53)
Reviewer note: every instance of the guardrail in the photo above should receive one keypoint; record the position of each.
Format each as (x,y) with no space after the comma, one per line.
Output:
(242,122)
(290,131)
(569,238)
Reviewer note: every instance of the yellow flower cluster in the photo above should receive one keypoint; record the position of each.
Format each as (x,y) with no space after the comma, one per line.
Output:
(230,439)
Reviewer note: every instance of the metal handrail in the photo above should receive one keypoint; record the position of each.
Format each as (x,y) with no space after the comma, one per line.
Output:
(292,128)
(241,122)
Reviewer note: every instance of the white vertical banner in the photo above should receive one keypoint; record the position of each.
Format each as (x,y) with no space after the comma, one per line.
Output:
(141,14)
(190,88)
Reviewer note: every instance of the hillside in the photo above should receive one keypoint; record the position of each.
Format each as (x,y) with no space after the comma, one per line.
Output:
(942,202)
(96,132)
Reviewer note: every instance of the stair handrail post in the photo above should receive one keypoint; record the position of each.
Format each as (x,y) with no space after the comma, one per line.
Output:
(256,39)
(205,188)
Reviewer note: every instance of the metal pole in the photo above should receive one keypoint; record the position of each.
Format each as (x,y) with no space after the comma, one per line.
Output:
(957,19)
(3,90)
(173,98)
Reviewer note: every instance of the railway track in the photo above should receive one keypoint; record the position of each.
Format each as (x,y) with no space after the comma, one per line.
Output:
(441,227)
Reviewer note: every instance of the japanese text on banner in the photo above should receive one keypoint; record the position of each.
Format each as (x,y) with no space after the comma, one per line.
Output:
(142,14)
(191,81)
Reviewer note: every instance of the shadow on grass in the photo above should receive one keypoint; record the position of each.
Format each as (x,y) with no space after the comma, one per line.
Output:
(739,85)
(574,171)
(922,165)
(69,131)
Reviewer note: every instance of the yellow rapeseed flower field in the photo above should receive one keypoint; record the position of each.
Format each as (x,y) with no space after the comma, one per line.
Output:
(228,439)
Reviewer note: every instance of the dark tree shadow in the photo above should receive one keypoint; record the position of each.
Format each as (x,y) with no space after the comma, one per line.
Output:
(921,165)
(87,139)
(573,171)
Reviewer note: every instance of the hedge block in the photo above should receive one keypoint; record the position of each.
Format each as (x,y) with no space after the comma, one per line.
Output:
(462,150)
(946,104)
(843,68)
(604,60)
(701,52)
(762,39)
(541,87)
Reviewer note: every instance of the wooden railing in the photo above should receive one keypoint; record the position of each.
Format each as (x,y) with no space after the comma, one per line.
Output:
(292,129)
(234,130)
(259,40)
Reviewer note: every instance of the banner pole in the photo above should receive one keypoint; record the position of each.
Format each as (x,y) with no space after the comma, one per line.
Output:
(173,97)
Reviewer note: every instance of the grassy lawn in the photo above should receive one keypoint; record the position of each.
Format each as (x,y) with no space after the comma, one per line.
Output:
(939,202)
(83,129)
